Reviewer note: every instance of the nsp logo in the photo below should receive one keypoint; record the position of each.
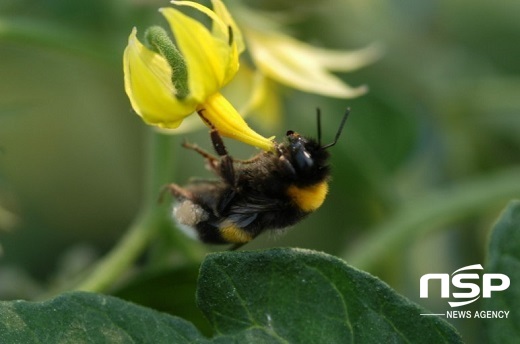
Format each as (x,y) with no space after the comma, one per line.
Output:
(464,281)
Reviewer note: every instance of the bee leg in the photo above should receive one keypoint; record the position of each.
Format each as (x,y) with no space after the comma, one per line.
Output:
(218,144)
(176,191)
(199,150)
(225,201)
(212,160)
(227,170)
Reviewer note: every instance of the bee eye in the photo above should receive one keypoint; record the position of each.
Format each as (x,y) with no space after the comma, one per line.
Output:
(303,160)
(289,133)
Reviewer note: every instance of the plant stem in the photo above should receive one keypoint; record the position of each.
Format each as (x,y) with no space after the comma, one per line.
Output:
(432,212)
(145,226)
(112,266)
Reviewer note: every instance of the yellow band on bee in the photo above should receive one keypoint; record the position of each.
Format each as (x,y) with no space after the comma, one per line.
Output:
(308,198)
(234,234)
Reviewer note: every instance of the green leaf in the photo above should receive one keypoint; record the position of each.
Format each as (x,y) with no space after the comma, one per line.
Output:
(171,291)
(274,296)
(504,258)
(81,317)
(300,296)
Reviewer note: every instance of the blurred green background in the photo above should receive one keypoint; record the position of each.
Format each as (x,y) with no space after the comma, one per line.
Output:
(428,158)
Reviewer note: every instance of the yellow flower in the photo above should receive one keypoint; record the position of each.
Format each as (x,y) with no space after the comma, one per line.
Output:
(306,67)
(208,58)
(281,59)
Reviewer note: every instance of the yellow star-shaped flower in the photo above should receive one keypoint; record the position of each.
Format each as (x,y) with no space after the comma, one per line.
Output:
(208,59)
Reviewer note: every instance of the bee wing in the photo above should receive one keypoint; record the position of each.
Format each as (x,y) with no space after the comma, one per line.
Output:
(242,220)
(256,214)
(245,211)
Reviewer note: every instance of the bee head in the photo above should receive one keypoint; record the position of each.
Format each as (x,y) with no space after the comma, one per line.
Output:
(307,157)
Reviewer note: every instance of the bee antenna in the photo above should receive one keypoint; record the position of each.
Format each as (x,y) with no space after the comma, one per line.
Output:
(318,119)
(338,133)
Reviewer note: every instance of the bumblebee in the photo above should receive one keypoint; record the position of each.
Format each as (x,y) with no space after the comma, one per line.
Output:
(271,191)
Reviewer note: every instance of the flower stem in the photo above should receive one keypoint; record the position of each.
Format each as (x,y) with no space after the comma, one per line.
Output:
(110,268)
(145,226)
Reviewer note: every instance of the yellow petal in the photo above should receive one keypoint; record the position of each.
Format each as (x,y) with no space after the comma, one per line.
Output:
(222,12)
(221,22)
(149,87)
(238,45)
(258,97)
(190,124)
(219,26)
(343,61)
(293,63)
(219,112)
(255,97)
(210,60)
(267,106)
